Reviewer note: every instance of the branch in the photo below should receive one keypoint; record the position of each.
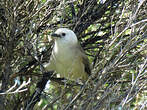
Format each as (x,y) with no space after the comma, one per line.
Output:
(35,97)
(19,89)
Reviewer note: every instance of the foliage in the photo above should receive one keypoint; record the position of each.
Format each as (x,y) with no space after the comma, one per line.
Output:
(113,34)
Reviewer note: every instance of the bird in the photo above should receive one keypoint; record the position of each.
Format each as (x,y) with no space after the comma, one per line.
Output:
(68,58)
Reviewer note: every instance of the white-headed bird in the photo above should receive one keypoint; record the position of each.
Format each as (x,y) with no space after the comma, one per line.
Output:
(68,58)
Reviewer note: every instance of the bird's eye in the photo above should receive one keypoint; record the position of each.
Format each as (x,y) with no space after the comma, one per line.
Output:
(63,34)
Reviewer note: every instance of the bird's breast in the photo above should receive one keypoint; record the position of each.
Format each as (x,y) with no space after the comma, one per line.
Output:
(63,54)
(67,63)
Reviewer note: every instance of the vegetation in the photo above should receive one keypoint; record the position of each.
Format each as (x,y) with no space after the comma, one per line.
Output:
(113,34)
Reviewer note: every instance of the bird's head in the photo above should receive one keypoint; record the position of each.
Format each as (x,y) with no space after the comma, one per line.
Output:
(65,36)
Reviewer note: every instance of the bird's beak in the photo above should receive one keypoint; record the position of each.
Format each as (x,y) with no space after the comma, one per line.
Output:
(55,35)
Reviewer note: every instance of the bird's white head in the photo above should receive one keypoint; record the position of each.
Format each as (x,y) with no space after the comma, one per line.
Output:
(65,36)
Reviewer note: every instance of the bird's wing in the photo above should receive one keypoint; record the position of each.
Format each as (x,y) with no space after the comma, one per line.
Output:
(85,60)
(87,65)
